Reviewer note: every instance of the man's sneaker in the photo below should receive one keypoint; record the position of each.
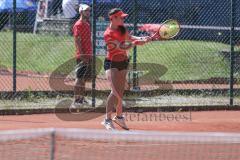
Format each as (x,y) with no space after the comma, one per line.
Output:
(84,101)
(121,122)
(108,124)
(77,104)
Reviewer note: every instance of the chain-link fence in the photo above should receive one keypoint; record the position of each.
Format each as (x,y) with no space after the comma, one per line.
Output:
(192,69)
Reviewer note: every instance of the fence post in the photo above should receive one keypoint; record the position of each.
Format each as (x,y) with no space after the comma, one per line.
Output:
(14,48)
(135,85)
(232,54)
(53,144)
(94,53)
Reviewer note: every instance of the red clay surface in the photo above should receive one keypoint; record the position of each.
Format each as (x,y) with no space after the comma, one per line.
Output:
(78,149)
(211,121)
(38,82)
(152,151)
(71,148)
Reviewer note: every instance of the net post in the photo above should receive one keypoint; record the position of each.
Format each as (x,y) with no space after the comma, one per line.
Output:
(94,53)
(53,146)
(232,54)
(14,48)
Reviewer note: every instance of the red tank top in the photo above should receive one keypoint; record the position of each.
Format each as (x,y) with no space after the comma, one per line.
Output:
(112,39)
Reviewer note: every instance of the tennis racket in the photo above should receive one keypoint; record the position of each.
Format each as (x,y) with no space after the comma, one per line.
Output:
(167,30)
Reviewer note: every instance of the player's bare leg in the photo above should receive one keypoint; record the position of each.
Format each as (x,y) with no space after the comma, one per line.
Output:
(112,99)
(117,80)
(121,80)
(119,86)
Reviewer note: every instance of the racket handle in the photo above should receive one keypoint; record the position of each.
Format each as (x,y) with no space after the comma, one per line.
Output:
(155,36)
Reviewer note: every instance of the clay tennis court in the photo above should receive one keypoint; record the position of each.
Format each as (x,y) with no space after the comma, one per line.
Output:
(212,121)
(73,145)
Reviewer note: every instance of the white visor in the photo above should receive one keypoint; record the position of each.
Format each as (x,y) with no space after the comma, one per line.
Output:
(83,7)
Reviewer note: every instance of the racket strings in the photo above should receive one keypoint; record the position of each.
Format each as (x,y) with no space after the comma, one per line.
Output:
(169,29)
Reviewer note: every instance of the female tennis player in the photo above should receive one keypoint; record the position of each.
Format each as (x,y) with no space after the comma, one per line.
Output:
(118,41)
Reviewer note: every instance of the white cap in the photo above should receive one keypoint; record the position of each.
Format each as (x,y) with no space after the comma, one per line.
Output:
(83,7)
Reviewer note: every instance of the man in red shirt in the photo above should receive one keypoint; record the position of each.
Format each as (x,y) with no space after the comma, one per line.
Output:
(83,45)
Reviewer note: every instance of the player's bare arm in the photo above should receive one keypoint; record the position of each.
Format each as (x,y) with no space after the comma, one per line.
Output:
(139,40)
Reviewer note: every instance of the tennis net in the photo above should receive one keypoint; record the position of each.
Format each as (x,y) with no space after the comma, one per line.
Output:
(82,144)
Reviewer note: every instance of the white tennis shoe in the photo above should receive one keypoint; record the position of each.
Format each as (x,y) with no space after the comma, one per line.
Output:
(108,124)
(120,122)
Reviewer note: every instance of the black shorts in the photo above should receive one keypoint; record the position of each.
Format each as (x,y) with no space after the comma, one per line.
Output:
(122,65)
(83,70)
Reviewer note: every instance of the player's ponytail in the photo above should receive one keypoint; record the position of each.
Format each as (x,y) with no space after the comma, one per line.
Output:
(122,30)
